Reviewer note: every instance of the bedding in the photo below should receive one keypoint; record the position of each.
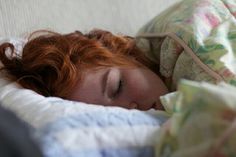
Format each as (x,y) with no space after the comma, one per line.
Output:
(195,40)
(69,129)
(203,121)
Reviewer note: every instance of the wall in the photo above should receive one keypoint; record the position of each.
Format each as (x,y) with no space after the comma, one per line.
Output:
(120,16)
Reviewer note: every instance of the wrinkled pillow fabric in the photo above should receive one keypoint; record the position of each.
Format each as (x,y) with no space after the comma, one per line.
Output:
(195,40)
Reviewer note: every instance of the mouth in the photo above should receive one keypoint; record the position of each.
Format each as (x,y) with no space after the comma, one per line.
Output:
(157,106)
(154,105)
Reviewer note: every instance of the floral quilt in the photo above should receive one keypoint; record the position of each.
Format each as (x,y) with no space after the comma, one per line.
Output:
(195,40)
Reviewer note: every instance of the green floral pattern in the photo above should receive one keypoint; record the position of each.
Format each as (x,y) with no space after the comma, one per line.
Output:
(201,115)
(201,112)
(207,27)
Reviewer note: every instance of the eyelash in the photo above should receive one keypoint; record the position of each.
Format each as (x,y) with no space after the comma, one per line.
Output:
(119,89)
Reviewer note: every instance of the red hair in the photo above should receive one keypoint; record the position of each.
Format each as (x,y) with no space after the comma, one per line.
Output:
(52,63)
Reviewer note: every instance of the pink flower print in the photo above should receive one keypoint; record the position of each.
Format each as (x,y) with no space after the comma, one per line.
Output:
(230,6)
(227,73)
(212,20)
(178,49)
(234,14)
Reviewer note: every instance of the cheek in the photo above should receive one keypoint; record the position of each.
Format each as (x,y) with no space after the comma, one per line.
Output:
(145,86)
(137,88)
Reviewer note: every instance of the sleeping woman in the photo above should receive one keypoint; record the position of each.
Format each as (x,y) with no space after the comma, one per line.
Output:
(102,68)
(96,68)
(194,40)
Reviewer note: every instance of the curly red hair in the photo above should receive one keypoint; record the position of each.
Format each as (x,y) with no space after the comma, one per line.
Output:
(52,63)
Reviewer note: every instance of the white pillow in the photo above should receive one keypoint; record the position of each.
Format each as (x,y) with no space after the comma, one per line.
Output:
(68,128)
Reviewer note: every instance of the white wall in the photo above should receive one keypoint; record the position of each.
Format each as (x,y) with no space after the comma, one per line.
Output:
(120,16)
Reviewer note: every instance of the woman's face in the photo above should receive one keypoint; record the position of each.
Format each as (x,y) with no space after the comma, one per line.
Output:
(132,88)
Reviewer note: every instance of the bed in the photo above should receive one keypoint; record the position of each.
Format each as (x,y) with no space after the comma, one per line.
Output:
(200,116)
(65,128)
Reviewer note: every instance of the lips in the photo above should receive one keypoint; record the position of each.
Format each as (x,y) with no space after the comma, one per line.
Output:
(157,106)
(154,105)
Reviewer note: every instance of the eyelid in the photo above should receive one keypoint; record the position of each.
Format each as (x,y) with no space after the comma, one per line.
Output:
(104,81)
(118,89)
(112,83)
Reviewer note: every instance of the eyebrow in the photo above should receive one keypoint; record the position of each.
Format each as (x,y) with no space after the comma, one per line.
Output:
(104,81)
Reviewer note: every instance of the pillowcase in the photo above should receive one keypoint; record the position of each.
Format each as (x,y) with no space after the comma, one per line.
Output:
(194,39)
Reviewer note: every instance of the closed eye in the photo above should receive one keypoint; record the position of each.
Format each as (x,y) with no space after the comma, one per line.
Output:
(118,89)
(113,83)
(104,81)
